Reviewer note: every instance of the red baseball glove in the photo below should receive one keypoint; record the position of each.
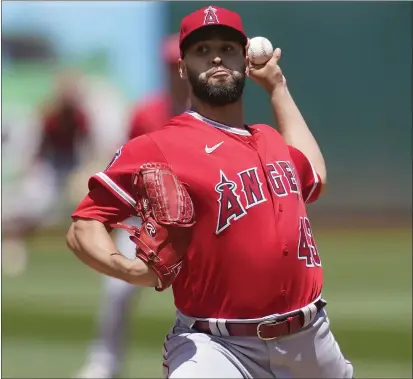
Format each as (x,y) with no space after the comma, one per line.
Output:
(167,214)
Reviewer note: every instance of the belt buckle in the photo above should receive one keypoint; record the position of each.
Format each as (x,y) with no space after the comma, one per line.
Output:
(265,322)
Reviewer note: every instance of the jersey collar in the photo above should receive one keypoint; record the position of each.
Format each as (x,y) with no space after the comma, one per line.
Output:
(218,125)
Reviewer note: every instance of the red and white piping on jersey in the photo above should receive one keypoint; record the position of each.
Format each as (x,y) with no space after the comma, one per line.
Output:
(218,125)
(315,184)
(118,191)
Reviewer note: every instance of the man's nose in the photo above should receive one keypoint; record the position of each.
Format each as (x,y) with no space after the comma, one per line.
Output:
(217,61)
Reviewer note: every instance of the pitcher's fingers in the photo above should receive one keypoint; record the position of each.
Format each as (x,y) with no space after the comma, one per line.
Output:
(277,54)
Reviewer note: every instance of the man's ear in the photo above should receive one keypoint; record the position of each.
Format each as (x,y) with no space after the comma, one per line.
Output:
(182,69)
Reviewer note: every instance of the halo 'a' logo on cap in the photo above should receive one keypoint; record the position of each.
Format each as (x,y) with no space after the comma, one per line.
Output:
(210,16)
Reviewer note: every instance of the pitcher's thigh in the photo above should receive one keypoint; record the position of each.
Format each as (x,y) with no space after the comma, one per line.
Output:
(328,362)
(316,354)
(193,355)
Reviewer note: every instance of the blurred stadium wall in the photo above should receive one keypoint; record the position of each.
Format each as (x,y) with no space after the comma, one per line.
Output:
(349,67)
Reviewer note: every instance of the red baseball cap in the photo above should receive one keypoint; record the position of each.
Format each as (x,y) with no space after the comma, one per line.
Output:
(211,16)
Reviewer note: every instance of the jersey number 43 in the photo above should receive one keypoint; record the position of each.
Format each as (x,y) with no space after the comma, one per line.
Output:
(307,249)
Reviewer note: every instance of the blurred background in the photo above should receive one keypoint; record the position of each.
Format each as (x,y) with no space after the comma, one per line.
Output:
(72,75)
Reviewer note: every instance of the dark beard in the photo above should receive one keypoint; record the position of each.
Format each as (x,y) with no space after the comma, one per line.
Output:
(219,94)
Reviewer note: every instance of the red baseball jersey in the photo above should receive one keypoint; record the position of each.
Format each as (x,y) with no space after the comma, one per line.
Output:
(253,252)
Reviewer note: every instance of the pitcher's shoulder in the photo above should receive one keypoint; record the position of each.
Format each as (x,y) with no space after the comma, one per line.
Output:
(266,130)
(182,120)
(175,131)
(178,125)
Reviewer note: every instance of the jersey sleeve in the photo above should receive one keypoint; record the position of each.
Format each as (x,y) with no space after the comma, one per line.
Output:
(309,179)
(111,197)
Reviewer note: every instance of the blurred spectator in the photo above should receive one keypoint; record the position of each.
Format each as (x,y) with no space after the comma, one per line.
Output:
(63,129)
(106,351)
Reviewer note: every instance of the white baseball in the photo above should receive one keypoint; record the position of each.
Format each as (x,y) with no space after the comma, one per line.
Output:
(260,50)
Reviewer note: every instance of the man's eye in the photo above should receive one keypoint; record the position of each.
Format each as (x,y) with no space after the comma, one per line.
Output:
(228,48)
(202,49)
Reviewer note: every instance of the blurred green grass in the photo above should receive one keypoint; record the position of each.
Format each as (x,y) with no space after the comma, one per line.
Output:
(48,313)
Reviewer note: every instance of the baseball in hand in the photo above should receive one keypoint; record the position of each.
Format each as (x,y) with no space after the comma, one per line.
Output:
(260,50)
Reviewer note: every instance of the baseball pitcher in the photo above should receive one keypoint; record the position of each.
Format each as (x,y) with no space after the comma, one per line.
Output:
(224,216)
